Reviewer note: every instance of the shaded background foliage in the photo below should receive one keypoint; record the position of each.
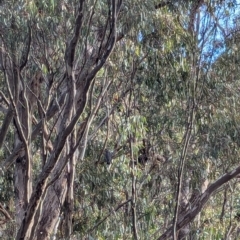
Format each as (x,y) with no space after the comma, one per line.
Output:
(170,57)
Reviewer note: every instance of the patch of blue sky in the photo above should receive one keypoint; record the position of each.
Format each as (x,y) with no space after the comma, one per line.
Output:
(140,36)
(216,26)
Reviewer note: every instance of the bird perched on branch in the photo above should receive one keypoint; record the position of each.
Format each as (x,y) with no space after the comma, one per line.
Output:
(108,156)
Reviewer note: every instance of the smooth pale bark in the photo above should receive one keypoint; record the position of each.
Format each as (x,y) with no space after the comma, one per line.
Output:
(23,175)
(19,182)
(69,201)
(52,203)
(52,207)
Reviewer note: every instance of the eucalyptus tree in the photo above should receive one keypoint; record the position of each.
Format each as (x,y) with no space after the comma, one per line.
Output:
(135,78)
(50,54)
(169,107)
(186,120)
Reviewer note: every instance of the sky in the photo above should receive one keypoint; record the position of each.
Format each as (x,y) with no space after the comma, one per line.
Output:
(217,27)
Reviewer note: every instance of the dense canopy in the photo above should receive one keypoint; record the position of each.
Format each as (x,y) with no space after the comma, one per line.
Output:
(119,119)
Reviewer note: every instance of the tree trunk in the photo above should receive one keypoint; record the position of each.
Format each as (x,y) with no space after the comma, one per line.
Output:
(184,200)
(52,207)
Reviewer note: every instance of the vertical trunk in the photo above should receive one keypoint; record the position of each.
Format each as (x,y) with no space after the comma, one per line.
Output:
(52,207)
(59,196)
(204,186)
(133,202)
(47,200)
(52,203)
(19,182)
(183,201)
(69,202)
(20,109)
(23,177)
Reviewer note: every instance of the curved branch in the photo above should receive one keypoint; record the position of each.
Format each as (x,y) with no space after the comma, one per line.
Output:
(187,216)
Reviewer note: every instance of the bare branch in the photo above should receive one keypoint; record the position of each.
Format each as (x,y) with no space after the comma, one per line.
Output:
(187,216)
(5,212)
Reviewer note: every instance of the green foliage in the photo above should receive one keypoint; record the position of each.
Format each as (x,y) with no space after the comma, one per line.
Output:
(158,72)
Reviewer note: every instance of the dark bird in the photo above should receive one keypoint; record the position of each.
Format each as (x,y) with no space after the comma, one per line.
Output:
(108,156)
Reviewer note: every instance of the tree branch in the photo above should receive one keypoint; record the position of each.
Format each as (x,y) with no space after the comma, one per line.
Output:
(187,216)
(70,51)
(25,53)
(114,210)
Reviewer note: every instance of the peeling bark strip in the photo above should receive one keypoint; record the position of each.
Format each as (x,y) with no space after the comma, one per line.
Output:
(196,207)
